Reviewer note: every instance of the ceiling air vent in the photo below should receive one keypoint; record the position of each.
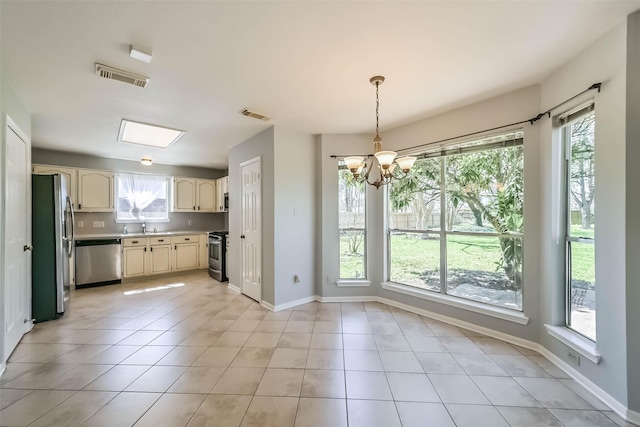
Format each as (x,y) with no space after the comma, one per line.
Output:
(120,75)
(248,113)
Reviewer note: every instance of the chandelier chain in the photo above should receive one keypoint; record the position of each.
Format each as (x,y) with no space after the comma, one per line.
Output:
(377,108)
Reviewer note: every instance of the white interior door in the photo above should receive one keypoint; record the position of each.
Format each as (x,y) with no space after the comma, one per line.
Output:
(251,238)
(17,278)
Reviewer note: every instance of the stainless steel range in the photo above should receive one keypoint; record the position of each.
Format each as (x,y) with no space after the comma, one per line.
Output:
(217,255)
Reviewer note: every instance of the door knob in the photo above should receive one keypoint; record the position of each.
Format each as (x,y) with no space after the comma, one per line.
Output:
(27,248)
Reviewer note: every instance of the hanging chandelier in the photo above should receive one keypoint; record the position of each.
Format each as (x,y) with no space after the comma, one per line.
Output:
(381,169)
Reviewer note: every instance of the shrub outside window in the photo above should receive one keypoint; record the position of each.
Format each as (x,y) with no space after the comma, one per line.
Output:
(141,197)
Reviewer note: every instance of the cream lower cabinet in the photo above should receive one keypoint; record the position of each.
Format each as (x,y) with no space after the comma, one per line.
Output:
(185,256)
(203,251)
(160,259)
(134,259)
(159,255)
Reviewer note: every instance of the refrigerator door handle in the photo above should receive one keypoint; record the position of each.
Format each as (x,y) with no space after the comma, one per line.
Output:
(71,241)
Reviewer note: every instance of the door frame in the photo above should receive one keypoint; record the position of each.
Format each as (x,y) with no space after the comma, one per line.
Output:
(258,160)
(8,125)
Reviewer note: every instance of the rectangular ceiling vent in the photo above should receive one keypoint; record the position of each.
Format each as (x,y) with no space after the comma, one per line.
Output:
(120,75)
(248,113)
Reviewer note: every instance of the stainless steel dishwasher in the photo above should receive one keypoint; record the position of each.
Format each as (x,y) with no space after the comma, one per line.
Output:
(98,262)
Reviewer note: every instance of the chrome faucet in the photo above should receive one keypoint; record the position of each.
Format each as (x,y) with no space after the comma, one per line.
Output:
(144,228)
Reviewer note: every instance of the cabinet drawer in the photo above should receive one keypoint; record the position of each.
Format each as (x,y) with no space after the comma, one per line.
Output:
(134,242)
(160,240)
(185,239)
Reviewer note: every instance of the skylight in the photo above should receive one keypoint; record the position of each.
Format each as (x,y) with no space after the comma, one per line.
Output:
(146,134)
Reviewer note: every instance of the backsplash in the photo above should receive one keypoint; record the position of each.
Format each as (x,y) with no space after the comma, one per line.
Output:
(179,221)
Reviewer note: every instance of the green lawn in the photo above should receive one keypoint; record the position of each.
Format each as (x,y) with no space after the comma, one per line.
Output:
(416,261)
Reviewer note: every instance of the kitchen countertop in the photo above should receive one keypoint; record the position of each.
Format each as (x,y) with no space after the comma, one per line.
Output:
(137,235)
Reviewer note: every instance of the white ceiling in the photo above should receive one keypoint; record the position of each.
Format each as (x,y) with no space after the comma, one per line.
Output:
(306,64)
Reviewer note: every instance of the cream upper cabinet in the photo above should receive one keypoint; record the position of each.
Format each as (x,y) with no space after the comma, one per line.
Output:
(194,195)
(68,173)
(222,187)
(184,194)
(206,195)
(95,191)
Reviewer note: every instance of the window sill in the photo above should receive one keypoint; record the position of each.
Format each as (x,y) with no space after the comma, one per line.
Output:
(351,283)
(476,307)
(575,341)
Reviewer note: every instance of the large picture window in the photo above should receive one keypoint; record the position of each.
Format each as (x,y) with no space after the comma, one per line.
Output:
(141,197)
(352,226)
(456,222)
(578,135)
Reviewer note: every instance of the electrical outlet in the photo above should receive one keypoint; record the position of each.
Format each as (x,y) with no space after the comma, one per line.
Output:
(98,224)
(574,357)
(80,224)
(189,222)
(296,279)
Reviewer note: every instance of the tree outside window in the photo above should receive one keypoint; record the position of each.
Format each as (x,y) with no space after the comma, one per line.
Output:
(469,244)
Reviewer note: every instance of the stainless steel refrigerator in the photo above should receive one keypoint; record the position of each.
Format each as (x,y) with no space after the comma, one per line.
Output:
(53,237)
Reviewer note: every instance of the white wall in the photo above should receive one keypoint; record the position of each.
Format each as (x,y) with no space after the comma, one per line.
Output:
(605,62)
(294,231)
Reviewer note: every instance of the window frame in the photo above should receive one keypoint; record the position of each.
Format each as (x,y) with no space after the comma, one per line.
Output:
(509,313)
(167,180)
(565,121)
(354,281)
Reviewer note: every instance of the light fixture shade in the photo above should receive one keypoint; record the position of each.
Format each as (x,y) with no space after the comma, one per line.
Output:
(385,158)
(353,162)
(406,162)
(146,161)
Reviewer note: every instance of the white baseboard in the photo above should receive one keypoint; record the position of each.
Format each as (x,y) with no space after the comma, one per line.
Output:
(267,305)
(295,303)
(606,398)
(461,323)
(602,395)
(345,299)
(233,287)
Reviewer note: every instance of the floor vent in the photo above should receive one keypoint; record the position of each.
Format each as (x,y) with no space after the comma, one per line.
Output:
(122,76)
(248,113)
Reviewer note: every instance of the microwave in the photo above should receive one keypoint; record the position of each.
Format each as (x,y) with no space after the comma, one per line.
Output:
(226,202)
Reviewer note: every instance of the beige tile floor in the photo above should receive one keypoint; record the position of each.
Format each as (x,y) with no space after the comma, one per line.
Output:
(186,351)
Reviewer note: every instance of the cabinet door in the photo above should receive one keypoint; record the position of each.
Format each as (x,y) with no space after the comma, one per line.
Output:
(207,195)
(184,195)
(160,259)
(222,185)
(185,256)
(68,173)
(134,259)
(95,191)
(203,251)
